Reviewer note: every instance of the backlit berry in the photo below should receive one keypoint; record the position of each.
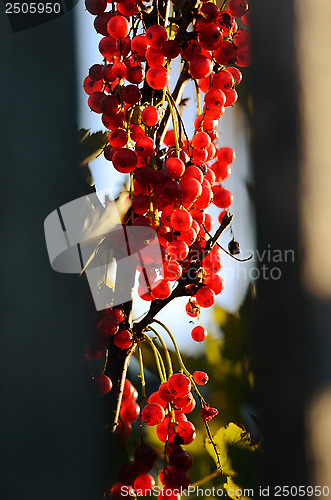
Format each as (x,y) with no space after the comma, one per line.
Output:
(179,385)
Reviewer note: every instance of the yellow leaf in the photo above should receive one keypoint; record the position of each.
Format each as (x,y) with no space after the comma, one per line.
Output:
(232,434)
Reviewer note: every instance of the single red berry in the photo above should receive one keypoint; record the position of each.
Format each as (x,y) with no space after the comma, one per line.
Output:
(236,73)
(201,140)
(205,297)
(171,270)
(156,36)
(143,484)
(181,220)
(200,378)
(123,339)
(116,313)
(222,198)
(107,326)
(155,398)
(153,414)
(157,77)
(94,101)
(179,385)
(131,94)
(214,282)
(150,116)
(108,47)
(110,105)
(139,44)
(226,53)
(95,72)
(145,456)
(129,391)
(192,309)
(230,97)
(154,57)
(129,411)
(118,27)
(198,333)
(173,168)
(238,8)
(180,459)
(91,86)
(165,393)
(178,250)
(124,160)
(102,384)
(200,67)
(118,138)
(182,403)
(96,7)
(145,147)
(215,99)
(171,49)
(223,80)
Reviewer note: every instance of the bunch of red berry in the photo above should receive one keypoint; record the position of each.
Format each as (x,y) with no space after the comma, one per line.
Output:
(173,181)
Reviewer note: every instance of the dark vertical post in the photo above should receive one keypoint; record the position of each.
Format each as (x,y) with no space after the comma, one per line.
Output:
(48,442)
(283,361)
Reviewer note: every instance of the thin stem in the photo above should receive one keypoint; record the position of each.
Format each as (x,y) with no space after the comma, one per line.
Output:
(157,358)
(142,376)
(228,253)
(174,124)
(167,355)
(215,447)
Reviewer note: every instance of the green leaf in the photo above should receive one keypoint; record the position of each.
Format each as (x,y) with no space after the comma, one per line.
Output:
(90,145)
(226,437)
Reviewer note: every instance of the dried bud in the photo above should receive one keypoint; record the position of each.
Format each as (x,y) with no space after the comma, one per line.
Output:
(207,413)
(234,247)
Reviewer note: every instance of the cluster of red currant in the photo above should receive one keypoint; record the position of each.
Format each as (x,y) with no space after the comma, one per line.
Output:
(166,409)
(173,181)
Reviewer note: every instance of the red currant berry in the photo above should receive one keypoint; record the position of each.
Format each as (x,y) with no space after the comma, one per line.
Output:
(180,459)
(96,7)
(143,484)
(179,385)
(107,326)
(165,393)
(181,220)
(129,411)
(178,250)
(198,333)
(171,49)
(153,414)
(205,297)
(200,378)
(200,67)
(118,138)
(222,198)
(145,147)
(238,8)
(157,77)
(118,27)
(123,339)
(125,160)
(174,168)
(150,116)
(156,36)
(171,270)
(102,384)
